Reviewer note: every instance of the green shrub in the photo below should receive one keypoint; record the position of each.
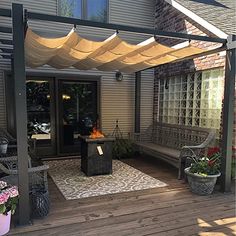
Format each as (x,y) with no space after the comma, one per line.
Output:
(122,148)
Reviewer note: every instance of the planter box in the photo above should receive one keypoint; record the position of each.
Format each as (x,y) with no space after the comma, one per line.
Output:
(201,185)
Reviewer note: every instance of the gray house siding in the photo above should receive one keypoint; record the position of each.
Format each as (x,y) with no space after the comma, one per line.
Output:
(117,98)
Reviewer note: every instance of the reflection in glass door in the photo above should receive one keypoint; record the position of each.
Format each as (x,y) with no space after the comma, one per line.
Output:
(77,113)
(40,115)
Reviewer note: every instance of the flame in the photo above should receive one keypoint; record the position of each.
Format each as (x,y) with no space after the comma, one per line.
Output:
(96,134)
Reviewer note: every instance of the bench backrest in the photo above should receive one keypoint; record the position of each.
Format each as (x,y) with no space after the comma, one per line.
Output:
(177,136)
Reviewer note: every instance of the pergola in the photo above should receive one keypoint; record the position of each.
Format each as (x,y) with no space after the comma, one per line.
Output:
(17,56)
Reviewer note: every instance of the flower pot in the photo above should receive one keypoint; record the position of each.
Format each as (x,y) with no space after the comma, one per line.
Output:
(3,145)
(5,221)
(201,185)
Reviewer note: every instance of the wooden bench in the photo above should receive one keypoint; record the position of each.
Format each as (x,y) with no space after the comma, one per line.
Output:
(173,143)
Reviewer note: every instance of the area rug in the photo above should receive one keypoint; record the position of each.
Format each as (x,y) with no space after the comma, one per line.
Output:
(74,184)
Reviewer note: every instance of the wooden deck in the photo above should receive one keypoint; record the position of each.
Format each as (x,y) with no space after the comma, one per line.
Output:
(172,210)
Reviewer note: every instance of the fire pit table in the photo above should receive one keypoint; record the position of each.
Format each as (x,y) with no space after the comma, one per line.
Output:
(96,155)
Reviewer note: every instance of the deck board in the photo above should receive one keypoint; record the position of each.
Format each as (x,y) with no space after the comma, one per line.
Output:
(172,210)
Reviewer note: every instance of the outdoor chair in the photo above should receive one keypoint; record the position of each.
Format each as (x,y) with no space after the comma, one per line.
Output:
(187,153)
(37,174)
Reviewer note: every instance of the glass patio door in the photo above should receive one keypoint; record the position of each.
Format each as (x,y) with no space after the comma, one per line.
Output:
(41,114)
(77,113)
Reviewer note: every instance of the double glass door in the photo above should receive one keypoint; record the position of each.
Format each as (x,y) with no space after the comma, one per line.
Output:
(77,113)
(58,112)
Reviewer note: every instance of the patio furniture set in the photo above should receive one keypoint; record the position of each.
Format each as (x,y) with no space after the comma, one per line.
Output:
(172,143)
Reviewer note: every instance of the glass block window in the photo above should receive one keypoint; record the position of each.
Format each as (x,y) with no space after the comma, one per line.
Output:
(211,98)
(94,10)
(193,100)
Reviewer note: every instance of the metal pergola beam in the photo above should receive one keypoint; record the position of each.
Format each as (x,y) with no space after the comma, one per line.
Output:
(141,30)
(21,111)
(137,102)
(228,115)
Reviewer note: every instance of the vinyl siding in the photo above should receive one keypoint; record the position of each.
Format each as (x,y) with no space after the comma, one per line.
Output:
(117,98)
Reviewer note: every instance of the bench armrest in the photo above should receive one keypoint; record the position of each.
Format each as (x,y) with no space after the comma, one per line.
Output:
(7,171)
(30,170)
(193,147)
(201,146)
(38,168)
(189,151)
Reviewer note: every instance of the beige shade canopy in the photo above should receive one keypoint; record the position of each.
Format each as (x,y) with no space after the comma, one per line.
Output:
(109,55)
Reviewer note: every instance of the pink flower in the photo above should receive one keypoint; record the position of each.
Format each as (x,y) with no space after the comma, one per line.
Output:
(4,197)
(13,191)
(3,184)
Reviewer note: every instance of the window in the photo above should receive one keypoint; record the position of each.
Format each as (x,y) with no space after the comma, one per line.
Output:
(94,10)
(70,8)
(193,100)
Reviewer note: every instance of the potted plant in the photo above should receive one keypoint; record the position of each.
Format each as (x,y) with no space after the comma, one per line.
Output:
(204,171)
(8,201)
(122,148)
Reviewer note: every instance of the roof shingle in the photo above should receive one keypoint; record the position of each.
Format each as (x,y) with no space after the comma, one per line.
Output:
(220,13)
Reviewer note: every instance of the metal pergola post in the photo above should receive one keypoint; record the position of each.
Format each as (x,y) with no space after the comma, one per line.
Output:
(137,102)
(21,111)
(228,114)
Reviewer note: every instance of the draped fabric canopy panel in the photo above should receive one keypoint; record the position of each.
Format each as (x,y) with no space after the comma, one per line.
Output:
(109,55)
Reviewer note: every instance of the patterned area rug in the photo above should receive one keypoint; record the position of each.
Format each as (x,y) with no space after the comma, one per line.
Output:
(74,184)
